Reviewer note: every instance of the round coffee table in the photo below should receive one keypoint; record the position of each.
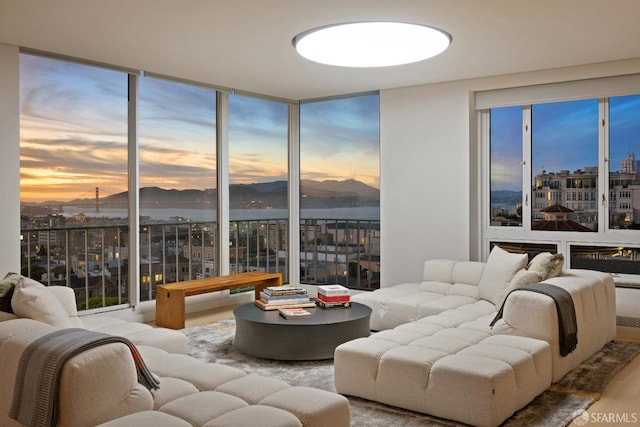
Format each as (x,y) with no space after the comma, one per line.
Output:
(268,335)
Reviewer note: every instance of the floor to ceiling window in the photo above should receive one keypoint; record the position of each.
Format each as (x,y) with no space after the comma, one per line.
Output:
(73,178)
(561,146)
(258,185)
(177,183)
(107,150)
(340,191)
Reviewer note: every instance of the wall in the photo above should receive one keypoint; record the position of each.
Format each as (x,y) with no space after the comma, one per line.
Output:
(10,160)
(424,178)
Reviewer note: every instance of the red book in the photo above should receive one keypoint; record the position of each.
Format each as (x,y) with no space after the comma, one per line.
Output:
(333,298)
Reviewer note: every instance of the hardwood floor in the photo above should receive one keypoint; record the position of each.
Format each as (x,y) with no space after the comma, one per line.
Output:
(618,405)
(209,316)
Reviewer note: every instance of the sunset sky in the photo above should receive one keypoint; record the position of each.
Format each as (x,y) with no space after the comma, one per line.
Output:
(74,134)
(564,136)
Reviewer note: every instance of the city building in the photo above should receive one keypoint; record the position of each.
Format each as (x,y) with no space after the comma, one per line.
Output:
(578,192)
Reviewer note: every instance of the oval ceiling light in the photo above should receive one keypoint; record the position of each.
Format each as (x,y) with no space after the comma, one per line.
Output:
(371,44)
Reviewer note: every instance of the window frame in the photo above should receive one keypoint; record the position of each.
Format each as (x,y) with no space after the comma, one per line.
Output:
(601,89)
(222,155)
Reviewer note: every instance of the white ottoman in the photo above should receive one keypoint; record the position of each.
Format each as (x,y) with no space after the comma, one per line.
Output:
(488,382)
(455,373)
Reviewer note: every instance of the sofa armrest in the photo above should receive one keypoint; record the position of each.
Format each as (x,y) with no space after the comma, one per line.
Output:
(96,386)
(100,385)
(534,315)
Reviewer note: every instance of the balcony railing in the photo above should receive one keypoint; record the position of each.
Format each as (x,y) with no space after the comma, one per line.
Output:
(93,260)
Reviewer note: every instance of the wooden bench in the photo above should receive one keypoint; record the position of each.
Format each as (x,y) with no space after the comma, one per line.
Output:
(170,298)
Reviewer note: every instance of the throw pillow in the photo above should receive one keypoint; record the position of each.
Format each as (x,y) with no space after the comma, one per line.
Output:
(522,278)
(8,283)
(501,267)
(27,282)
(548,265)
(6,291)
(33,300)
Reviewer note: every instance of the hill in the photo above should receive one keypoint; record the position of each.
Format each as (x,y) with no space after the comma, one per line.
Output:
(314,194)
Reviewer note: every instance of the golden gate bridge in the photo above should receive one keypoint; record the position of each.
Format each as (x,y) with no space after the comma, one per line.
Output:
(85,200)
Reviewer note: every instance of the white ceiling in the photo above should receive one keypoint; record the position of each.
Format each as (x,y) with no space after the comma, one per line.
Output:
(246,44)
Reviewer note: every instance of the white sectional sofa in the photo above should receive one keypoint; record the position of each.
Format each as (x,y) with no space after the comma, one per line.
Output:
(436,353)
(99,386)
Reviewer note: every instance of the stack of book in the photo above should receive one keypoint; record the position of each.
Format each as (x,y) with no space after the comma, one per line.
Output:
(333,296)
(286,296)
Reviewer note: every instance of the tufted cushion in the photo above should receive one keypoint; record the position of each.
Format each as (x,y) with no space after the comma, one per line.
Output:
(199,408)
(267,416)
(501,267)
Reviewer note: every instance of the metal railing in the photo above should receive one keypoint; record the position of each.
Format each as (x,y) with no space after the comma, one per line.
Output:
(93,260)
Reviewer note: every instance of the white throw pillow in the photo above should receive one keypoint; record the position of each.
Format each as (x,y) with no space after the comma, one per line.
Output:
(522,278)
(548,265)
(501,267)
(33,300)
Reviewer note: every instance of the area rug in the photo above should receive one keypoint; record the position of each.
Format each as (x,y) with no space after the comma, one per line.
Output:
(558,406)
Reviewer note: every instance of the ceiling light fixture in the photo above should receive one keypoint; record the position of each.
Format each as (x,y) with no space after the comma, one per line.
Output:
(371,44)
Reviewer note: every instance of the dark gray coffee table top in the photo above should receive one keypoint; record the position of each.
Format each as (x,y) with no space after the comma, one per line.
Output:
(268,335)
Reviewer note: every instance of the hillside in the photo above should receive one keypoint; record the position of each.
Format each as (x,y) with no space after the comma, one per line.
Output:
(314,194)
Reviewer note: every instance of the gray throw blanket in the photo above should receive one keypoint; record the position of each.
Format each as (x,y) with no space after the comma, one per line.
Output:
(36,391)
(568,327)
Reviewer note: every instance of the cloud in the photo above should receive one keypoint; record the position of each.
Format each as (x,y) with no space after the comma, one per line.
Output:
(340,138)
(74,133)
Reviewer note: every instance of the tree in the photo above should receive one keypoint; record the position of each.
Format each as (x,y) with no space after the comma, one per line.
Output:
(36,272)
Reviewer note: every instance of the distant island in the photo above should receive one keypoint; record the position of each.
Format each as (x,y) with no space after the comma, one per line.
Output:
(267,195)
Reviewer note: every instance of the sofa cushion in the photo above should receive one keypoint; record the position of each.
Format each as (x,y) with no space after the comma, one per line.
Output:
(501,267)
(438,270)
(35,301)
(546,264)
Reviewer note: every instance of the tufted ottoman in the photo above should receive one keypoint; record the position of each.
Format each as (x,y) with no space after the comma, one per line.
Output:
(242,417)
(194,393)
(459,373)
